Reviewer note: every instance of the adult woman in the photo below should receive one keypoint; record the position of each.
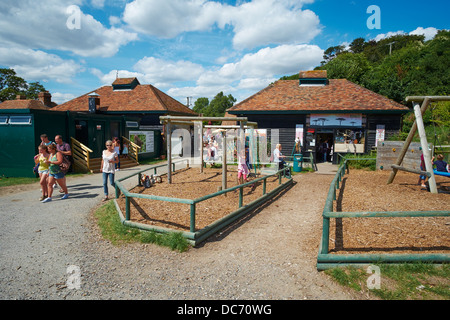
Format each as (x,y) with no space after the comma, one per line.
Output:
(42,169)
(278,157)
(109,159)
(55,174)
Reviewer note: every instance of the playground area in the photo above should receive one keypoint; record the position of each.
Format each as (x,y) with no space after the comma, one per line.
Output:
(367,191)
(189,183)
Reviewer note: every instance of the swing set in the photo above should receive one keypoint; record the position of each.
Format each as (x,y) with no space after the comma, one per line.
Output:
(419,126)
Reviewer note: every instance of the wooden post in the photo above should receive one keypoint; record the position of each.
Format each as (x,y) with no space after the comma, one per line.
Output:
(224,161)
(201,146)
(169,152)
(424,143)
(408,140)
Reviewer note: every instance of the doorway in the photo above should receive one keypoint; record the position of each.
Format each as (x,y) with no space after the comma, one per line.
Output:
(324,146)
(98,141)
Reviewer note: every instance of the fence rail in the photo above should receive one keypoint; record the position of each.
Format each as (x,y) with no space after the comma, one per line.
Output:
(81,156)
(325,260)
(196,236)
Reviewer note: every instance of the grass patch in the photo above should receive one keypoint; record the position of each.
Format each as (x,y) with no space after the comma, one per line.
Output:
(7,182)
(14,181)
(361,164)
(413,281)
(113,230)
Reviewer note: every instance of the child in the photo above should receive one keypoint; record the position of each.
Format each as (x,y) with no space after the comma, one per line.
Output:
(125,150)
(242,168)
(441,165)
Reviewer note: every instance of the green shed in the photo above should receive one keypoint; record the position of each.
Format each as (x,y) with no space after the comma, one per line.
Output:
(20,131)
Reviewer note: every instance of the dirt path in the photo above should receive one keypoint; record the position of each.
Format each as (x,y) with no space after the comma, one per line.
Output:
(269,255)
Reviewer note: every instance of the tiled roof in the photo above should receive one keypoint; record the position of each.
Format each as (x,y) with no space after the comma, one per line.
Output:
(23,104)
(141,99)
(338,95)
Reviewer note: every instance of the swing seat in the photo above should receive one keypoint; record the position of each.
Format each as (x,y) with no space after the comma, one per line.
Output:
(441,173)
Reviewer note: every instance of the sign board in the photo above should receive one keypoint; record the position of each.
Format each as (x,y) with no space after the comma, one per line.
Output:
(144,139)
(336,120)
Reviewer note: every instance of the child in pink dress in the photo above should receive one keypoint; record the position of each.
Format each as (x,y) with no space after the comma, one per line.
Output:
(242,169)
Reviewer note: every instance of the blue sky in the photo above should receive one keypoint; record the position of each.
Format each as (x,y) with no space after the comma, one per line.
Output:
(194,48)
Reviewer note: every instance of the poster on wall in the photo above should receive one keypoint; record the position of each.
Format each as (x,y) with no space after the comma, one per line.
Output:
(379,134)
(336,120)
(299,133)
(144,139)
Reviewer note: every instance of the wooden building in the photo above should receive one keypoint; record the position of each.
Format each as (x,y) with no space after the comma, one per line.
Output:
(316,109)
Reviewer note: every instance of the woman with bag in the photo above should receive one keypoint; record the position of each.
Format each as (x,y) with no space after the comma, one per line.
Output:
(109,159)
(55,159)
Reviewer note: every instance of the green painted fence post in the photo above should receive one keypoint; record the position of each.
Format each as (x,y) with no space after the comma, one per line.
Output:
(241,196)
(192,224)
(325,235)
(127,208)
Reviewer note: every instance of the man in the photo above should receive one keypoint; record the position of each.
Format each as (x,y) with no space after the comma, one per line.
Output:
(66,151)
(63,147)
(44,140)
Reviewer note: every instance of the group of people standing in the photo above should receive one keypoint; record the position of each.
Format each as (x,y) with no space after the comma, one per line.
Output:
(54,160)
(49,165)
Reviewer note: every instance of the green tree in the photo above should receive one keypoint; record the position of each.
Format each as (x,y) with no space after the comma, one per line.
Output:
(221,103)
(12,85)
(348,66)
(357,46)
(200,105)
(216,108)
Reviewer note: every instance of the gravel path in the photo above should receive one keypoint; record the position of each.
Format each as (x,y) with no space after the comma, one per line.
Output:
(270,255)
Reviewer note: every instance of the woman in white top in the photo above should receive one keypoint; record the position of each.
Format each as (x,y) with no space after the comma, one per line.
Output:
(109,159)
(278,157)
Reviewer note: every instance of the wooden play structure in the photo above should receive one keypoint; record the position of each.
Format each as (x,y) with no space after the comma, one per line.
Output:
(418,126)
(169,121)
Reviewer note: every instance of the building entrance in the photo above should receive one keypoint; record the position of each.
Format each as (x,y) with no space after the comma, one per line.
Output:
(324,146)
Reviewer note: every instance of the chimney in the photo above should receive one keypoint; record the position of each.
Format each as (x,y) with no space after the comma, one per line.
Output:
(21,97)
(94,102)
(46,98)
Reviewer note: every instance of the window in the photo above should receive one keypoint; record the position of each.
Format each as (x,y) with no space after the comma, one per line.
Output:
(3,120)
(20,120)
(132,124)
(349,141)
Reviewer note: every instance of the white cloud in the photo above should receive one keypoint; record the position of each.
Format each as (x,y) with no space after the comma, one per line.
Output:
(36,65)
(255,23)
(159,70)
(43,25)
(60,98)
(429,33)
(267,22)
(388,35)
(266,63)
